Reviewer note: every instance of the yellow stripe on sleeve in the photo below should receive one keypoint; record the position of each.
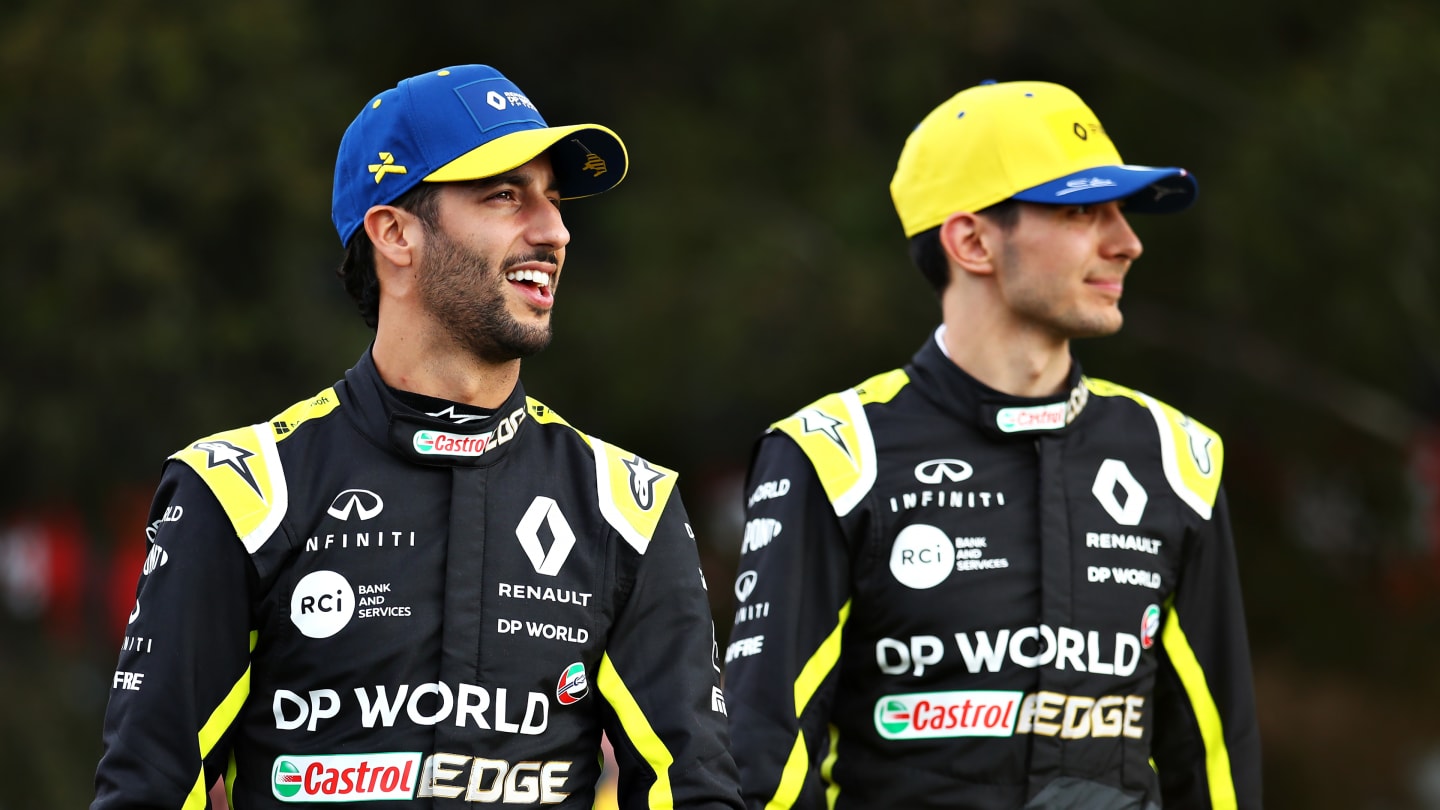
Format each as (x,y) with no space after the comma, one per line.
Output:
(827,769)
(198,797)
(792,779)
(1212,733)
(820,663)
(220,720)
(637,728)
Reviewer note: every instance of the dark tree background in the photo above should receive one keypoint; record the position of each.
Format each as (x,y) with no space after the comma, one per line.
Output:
(167,272)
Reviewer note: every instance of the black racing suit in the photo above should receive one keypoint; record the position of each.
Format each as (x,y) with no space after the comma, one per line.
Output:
(949,597)
(359,602)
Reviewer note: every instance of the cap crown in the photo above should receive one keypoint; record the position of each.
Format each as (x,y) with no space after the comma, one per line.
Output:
(459,123)
(988,143)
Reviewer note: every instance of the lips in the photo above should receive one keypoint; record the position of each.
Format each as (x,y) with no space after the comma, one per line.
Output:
(538,286)
(1113,285)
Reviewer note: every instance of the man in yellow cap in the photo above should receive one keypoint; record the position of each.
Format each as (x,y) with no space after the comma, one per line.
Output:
(986,580)
(421,586)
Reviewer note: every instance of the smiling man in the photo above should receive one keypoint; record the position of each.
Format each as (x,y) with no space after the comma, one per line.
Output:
(421,585)
(986,580)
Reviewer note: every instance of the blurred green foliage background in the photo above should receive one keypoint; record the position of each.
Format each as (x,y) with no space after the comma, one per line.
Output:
(168,272)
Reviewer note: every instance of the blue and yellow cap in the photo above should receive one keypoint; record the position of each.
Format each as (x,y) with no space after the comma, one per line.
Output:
(1031,141)
(461,123)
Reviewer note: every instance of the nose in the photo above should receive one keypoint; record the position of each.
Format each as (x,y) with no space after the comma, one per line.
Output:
(547,227)
(1119,240)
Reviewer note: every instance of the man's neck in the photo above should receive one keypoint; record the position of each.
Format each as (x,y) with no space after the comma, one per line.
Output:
(439,368)
(1018,362)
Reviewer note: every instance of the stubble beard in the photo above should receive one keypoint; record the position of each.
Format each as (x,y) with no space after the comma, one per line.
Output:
(1042,302)
(463,290)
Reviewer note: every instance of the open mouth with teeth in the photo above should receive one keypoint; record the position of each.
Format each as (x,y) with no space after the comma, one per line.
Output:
(537,285)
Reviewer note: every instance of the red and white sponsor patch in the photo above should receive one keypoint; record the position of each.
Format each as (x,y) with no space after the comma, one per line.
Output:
(345,777)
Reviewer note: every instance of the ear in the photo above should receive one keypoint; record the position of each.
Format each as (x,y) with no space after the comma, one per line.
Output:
(396,234)
(967,240)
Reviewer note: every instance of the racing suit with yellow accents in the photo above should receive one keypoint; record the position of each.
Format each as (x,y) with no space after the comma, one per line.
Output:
(950,597)
(362,601)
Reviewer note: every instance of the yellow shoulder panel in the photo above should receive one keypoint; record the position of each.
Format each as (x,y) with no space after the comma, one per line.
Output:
(542,413)
(1192,453)
(882,387)
(313,408)
(242,468)
(835,435)
(632,492)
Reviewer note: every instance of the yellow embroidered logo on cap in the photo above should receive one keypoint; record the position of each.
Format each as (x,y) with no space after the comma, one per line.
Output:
(594,164)
(387,164)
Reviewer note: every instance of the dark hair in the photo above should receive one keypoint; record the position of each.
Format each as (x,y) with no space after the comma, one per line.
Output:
(927,254)
(357,269)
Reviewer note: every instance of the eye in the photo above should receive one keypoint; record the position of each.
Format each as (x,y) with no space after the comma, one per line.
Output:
(503,194)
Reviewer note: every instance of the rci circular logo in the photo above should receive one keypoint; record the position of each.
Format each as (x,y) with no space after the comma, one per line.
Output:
(286,778)
(1149,626)
(322,604)
(922,557)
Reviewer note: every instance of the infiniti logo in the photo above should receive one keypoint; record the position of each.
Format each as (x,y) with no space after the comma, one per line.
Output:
(361,502)
(950,469)
(745,584)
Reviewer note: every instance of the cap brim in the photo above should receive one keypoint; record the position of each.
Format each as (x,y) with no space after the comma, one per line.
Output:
(587,158)
(1145,189)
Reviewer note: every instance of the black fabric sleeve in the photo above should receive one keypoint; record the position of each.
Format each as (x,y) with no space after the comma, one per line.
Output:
(1207,738)
(661,682)
(184,662)
(793,591)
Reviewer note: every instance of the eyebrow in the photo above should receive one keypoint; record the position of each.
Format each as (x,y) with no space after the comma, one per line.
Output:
(512,178)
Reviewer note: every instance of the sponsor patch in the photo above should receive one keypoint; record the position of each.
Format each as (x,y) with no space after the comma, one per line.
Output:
(482,780)
(322,604)
(951,470)
(1033,417)
(573,684)
(544,511)
(922,556)
(935,715)
(1076,717)
(362,503)
(1149,626)
(745,584)
(345,777)
(1113,479)
(768,490)
(469,445)
(758,534)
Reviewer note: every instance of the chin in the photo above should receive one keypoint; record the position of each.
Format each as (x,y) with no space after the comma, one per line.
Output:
(1098,327)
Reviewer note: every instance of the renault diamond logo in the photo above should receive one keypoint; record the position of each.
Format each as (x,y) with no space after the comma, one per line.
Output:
(545,510)
(1115,475)
(360,502)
